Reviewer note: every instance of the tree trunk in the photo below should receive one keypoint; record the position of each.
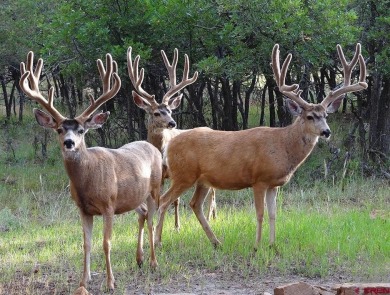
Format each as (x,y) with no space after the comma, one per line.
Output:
(383,131)
(7,101)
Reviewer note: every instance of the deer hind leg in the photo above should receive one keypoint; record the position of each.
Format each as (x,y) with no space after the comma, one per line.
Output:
(174,192)
(212,205)
(176,204)
(152,208)
(87,224)
(108,218)
(259,192)
(142,215)
(197,206)
(270,198)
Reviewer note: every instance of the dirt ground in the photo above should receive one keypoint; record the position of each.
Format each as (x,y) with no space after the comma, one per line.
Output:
(218,283)
(225,284)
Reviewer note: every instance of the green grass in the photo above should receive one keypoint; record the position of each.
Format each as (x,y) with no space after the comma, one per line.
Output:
(324,230)
(316,238)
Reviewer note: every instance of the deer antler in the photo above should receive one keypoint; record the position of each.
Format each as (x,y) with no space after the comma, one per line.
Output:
(137,77)
(108,91)
(174,88)
(347,69)
(291,91)
(29,84)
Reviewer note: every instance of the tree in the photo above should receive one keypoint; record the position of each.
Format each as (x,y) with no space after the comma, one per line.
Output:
(375,17)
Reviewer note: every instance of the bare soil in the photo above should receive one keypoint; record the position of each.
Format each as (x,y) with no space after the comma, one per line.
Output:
(220,283)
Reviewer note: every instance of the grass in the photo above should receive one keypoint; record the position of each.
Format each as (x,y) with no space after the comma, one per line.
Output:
(324,230)
(316,238)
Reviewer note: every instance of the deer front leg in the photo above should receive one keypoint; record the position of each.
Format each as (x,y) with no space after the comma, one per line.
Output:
(259,191)
(87,224)
(270,198)
(197,206)
(167,199)
(108,218)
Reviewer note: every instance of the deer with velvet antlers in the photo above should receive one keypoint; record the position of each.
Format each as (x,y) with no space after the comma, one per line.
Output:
(103,181)
(261,158)
(161,126)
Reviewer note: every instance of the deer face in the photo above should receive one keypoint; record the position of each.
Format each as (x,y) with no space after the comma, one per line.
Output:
(160,115)
(314,117)
(70,131)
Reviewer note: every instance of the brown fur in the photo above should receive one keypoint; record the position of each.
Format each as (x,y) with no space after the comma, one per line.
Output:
(102,181)
(262,158)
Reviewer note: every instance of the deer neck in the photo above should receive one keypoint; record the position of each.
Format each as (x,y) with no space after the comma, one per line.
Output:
(77,163)
(300,143)
(159,137)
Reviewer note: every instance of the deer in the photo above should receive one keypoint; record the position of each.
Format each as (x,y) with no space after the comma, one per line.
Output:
(260,158)
(103,181)
(161,126)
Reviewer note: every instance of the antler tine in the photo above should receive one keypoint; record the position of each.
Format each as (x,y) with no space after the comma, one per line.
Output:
(137,77)
(347,69)
(291,91)
(108,91)
(173,87)
(29,83)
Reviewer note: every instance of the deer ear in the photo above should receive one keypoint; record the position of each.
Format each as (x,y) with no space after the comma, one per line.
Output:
(334,106)
(293,107)
(45,120)
(97,120)
(175,101)
(140,101)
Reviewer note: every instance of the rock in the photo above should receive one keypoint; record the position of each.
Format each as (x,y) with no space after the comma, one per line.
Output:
(301,288)
(363,289)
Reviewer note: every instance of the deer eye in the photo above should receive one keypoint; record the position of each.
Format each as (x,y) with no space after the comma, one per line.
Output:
(310,118)
(80,131)
(59,130)
(156,114)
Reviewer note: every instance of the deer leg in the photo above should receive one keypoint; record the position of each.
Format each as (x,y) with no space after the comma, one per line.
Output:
(212,205)
(270,198)
(177,219)
(140,252)
(197,206)
(259,192)
(167,199)
(151,210)
(87,224)
(107,232)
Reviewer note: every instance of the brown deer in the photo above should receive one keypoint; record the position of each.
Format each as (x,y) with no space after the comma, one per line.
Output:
(262,158)
(161,126)
(102,181)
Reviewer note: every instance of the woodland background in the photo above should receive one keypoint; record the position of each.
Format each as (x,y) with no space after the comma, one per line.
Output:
(228,41)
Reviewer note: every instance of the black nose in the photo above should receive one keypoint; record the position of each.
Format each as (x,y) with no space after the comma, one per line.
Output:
(326,133)
(172,124)
(69,143)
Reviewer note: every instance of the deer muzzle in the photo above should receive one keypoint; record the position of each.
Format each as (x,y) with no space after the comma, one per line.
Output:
(172,124)
(69,144)
(326,133)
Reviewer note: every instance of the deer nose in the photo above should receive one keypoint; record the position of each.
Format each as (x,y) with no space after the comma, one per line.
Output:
(69,143)
(172,124)
(326,133)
